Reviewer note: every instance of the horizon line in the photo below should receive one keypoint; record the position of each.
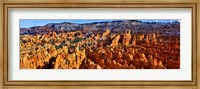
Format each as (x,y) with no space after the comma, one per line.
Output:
(27,23)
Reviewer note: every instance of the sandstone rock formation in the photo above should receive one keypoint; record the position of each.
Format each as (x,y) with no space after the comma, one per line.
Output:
(104,49)
(115,41)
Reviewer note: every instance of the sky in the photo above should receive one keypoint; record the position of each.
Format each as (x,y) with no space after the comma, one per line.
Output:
(26,23)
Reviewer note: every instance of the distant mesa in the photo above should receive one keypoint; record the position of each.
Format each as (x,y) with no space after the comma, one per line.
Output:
(115,26)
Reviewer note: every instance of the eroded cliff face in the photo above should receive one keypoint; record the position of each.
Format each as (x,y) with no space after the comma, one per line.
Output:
(100,50)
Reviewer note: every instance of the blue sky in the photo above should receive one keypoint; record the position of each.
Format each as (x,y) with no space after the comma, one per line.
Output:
(26,23)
